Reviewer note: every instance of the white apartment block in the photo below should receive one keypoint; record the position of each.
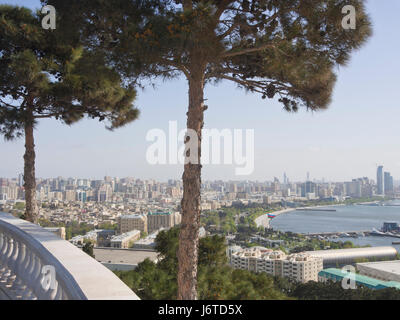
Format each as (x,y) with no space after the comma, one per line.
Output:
(301,267)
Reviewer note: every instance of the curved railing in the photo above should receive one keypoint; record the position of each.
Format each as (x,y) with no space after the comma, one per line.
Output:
(37,265)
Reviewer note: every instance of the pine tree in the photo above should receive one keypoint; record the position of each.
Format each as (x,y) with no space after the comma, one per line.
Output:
(43,76)
(286,50)
(88,249)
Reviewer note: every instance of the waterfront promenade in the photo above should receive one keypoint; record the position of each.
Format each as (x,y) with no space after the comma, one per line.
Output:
(263,221)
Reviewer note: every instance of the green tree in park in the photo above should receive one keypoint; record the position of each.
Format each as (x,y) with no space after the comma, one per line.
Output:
(43,76)
(284,50)
(88,248)
(334,291)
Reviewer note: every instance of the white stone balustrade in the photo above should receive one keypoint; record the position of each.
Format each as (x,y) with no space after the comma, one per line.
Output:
(29,254)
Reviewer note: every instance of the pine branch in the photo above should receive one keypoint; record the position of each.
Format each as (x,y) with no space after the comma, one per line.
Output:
(177,65)
(233,53)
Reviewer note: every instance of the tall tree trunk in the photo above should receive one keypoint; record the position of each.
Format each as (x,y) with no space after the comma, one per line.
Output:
(31,213)
(189,233)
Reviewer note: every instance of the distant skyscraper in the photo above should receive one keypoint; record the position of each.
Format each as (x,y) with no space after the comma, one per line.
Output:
(379,180)
(20,180)
(388,183)
(308,187)
(308,176)
(82,196)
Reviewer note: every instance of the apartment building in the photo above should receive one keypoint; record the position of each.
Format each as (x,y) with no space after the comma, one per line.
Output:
(157,220)
(132,222)
(165,220)
(69,195)
(301,267)
(8,192)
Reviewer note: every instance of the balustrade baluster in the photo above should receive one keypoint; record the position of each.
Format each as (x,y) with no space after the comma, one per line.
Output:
(25,248)
(12,263)
(7,257)
(19,285)
(3,249)
(37,275)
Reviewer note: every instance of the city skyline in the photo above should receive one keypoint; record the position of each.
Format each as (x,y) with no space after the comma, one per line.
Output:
(283,178)
(383,179)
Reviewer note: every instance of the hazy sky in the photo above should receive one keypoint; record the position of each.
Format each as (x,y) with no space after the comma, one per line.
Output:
(360,129)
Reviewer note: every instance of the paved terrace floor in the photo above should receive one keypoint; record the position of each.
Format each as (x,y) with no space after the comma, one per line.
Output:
(3,295)
(123,256)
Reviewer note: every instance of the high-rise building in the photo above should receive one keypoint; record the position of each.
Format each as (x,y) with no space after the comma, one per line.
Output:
(388,184)
(81,196)
(285,179)
(354,188)
(276,185)
(104,193)
(379,180)
(20,180)
(308,187)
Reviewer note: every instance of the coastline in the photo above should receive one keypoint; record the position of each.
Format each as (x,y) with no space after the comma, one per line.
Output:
(263,221)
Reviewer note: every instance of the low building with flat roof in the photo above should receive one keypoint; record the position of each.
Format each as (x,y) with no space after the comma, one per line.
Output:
(383,270)
(89,236)
(125,240)
(104,238)
(123,259)
(149,242)
(337,275)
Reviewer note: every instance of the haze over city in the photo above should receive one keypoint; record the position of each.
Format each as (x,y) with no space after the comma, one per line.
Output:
(338,144)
